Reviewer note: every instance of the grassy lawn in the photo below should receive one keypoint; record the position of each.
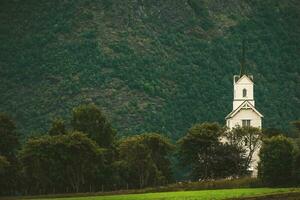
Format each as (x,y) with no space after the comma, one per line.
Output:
(192,195)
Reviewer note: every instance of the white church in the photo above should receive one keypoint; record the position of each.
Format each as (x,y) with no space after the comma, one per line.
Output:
(244,112)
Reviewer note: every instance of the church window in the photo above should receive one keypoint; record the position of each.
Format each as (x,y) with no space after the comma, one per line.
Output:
(244,92)
(246,141)
(246,122)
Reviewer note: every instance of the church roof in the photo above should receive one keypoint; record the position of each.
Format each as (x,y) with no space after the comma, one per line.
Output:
(250,78)
(245,105)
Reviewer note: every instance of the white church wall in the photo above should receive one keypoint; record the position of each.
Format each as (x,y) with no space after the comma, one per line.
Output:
(239,91)
(236,103)
(245,114)
(239,86)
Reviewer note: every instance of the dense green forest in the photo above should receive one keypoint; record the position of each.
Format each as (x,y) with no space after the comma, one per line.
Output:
(150,65)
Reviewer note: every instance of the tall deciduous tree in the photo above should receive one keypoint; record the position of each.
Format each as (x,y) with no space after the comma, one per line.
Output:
(9,139)
(9,144)
(248,138)
(4,171)
(198,149)
(60,162)
(208,157)
(146,159)
(230,161)
(89,119)
(276,161)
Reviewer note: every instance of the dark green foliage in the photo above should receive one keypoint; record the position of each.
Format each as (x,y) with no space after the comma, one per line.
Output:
(89,119)
(270,132)
(296,172)
(296,126)
(144,160)
(3,164)
(9,144)
(208,158)
(230,161)
(4,178)
(60,163)
(58,127)
(154,66)
(245,182)
(276,161)
(9,138)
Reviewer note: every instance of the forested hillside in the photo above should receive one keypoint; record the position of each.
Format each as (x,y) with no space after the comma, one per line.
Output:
(150,65)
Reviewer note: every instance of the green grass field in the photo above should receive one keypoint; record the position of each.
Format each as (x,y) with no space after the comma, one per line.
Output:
(192,195)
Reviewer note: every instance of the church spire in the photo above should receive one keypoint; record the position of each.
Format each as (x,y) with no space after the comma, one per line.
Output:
(243,70)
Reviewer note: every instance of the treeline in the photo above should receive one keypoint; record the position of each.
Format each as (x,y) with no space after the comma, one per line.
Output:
(87,155)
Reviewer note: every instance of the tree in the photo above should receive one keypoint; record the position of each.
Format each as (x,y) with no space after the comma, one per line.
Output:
(197,149)
(270,132)
(89,119)
(145,158)
(248,138)
(296,168)
(58,127)
(230,161)
(60,162)
(4,170)
(208,157)
(160,148)
(3,164)
(9,144)
(276,161)
(9,139)
(296,171)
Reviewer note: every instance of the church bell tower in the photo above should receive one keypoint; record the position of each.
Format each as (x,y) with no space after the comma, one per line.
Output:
(242,90)
(243,111)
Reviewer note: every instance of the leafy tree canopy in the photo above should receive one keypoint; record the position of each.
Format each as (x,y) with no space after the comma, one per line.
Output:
(202,149)
(9,138)
(58,127)
(89,119)
(146,158)
(60,161)
(276,161)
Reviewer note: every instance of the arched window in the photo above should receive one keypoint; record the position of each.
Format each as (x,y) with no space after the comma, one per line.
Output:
(244,92)
(246,141)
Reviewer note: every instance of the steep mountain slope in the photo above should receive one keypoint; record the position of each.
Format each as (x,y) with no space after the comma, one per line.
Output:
(151,65)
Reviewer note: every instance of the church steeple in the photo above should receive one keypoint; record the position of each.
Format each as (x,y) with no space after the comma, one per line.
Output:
(243,70)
